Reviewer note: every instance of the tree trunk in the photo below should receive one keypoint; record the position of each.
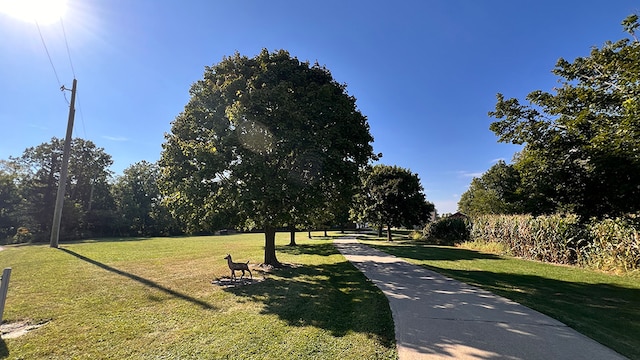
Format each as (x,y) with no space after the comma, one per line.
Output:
(325,233)
(380,230)
(270,246)
(389,233)
(309,234)
(292,239)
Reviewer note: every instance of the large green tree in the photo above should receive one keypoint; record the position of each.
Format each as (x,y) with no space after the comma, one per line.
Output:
(582,142)
(262,142)
(392,196)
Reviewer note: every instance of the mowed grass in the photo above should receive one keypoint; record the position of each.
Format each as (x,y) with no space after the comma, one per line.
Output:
(154,299)
(605,307)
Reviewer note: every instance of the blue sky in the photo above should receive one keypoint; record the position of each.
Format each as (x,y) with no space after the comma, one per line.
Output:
(424,72)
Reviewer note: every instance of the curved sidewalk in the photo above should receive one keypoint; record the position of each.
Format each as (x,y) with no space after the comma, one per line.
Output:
(439,318)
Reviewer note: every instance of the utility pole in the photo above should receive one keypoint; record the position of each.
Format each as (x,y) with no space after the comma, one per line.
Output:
(57,213)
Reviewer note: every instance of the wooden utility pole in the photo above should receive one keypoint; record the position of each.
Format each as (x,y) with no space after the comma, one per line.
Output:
(57,213)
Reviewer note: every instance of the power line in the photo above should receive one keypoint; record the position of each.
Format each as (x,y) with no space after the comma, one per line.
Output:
(84,130)
(49,56)
(73,71)
(64,33)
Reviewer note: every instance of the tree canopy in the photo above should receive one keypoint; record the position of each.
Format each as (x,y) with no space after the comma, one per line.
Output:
(392,196)
(495,192)
(138,202)
(582,142)
(263,142)
(36,174)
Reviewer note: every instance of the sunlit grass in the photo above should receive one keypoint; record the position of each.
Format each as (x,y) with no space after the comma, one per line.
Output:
(605,307)
(153,298)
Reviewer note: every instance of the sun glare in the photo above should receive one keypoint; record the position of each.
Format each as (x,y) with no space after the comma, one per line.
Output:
(41,11)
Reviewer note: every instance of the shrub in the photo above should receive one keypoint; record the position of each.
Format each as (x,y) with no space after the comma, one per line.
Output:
(447,231)
(23,235)
(415,235)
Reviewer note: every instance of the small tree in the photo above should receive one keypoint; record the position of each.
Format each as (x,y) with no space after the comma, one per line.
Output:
(392,196)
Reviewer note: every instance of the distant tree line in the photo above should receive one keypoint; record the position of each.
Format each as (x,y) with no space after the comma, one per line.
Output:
(131,204)
(96,204)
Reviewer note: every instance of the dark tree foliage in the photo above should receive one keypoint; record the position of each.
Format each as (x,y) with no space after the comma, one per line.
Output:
(139,203)
(582,142)
(264,142)
(392,196)
(88,206)
(497,191)
(10,201)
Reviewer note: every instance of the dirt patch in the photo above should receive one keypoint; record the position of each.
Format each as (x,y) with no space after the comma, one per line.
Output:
(228,282)
(18,328)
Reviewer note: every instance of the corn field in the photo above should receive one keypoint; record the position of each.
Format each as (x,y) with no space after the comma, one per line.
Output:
(610,244)
(615,245)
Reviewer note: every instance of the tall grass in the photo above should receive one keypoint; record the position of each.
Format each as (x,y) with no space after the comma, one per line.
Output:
(610,244)
(614,246)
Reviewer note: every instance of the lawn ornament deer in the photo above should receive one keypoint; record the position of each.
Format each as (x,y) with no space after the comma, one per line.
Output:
(237,266)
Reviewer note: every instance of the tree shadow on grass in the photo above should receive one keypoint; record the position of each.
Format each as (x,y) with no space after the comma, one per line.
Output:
(107,240)
(146,282)
(335,297)
(433,252)
(321,249)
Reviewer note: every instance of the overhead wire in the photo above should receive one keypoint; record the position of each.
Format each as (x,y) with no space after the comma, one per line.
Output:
(64,33)
(49,56)
(55,72)
(66,42)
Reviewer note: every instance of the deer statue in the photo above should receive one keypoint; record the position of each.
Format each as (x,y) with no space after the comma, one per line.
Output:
(237,266)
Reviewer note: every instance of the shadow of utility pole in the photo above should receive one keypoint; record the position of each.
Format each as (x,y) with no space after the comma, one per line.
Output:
(4,350)
(142,280)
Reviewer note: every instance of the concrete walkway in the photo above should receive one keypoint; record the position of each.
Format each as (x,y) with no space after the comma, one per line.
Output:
(439,318)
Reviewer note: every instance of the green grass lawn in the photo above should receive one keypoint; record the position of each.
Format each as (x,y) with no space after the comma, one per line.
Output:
(153,299)
(603,306)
